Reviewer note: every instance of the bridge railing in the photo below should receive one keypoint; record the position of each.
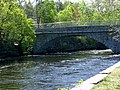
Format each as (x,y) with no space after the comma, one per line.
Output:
(77,23)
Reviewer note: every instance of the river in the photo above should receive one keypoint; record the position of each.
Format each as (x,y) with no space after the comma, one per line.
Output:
(49,72)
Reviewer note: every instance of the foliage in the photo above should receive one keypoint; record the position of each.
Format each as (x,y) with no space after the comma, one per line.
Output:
(15,26)
(76,13)
(69,11)
(85,12)
(29,9)
(76,85)
(47,11)
(66,14)
(59,6)
(79,83)
(50,11)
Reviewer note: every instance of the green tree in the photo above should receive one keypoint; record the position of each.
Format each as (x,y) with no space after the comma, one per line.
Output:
(29,9)
(106,9)
(47,11)
(76,13)
(59,6)
(85,11)
(66,14)
(15,26)
(66,3)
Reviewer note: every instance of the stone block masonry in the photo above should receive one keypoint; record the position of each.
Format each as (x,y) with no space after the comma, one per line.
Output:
(99,33)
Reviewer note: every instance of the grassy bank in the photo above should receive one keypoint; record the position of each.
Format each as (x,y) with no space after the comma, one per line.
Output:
(111,82)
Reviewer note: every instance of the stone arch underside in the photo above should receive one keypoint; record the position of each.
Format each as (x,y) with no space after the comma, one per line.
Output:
(42,42)
(44,39)
(107,40)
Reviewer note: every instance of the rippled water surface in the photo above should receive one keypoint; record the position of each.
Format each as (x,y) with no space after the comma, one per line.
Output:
(50,72)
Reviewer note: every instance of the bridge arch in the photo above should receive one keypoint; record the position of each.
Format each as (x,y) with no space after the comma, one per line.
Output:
(68,43)
(45,45)
(100,32)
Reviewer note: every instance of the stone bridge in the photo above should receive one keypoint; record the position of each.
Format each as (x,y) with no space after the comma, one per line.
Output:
(99,30)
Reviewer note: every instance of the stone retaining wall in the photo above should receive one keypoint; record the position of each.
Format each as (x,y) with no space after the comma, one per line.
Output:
(8,50)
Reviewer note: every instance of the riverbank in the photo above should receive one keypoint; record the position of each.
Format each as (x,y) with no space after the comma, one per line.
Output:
(111,82)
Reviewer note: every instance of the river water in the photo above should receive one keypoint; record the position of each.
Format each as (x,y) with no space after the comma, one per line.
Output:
(49,72)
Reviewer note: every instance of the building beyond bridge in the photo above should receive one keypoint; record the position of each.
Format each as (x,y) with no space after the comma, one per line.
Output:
(101,31)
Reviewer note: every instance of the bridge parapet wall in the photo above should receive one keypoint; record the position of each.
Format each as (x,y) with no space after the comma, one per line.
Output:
(78,29)
(76,23)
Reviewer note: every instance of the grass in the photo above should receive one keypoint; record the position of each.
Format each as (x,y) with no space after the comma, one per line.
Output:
(78,84)
(111,82)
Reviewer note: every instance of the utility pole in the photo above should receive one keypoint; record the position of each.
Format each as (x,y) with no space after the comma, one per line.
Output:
(37,19)
(38,4)
(36,13)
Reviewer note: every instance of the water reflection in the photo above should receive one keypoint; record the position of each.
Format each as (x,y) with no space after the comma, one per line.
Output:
(52,71)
